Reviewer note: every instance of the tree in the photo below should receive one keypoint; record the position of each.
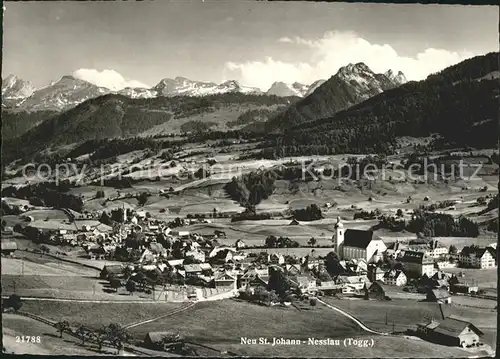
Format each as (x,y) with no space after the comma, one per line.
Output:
(99,337)
(61,327)
(399,212)
(143,198)
(453,249)
(82,332)
(271,242)
(100,194)
(106,219)
(131,286)
(14,301)
(310,213)
(312,242)
(44,249)
(272,297)
(116,335)
(312,302)
(333,264)
(141,279)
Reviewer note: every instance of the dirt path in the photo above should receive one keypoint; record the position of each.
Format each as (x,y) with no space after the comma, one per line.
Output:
(86,300)
(133,325)
(354,319)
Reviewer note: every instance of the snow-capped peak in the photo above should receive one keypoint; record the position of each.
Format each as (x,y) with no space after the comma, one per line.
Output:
(398,78)
(14,88)
(283,89)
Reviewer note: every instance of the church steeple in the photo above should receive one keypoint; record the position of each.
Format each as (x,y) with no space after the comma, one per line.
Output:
(338,237)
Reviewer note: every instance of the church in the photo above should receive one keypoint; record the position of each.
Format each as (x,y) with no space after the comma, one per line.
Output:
(357,244)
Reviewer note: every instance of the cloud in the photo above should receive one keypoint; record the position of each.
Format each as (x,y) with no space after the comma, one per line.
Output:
(334,50)
(285,40)
(107,78)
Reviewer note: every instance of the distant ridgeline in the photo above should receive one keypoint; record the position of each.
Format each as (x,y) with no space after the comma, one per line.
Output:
(111,116)
(460,103)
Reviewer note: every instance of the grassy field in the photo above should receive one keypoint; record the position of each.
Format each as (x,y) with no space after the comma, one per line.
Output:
(234,320)
(407,314)
(95,315)
(254,233)
(45,276)
(484,278)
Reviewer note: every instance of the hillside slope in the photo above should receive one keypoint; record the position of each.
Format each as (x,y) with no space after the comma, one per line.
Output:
(113,116)
(461,103)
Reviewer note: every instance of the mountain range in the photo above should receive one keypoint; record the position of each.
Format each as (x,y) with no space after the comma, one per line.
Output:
(21,95)
(352,84)
(459,104)
(354,111)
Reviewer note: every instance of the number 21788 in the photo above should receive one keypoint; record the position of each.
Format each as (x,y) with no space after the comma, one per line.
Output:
(28,339)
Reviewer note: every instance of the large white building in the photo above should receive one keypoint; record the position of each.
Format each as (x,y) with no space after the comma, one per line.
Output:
(417,264)
(476,257)
(357,244)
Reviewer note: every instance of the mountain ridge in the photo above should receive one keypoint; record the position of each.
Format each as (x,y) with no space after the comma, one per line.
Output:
(69,91)
(460,103)
(352,84)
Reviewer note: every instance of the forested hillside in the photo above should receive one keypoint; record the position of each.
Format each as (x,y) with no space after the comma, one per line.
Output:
(461,103)
(113,116)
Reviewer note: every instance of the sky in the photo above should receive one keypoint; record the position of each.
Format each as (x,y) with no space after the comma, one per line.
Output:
(136,44)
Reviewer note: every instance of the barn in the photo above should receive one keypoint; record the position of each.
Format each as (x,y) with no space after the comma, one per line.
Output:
(160,340)
(451,332)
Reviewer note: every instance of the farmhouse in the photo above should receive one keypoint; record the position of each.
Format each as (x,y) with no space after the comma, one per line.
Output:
(194,270)
(417,264)
(451,331)
(111,270)
(476,257)
(437,250)
(159,340)
(225,280)
(8,247)
(292,269)
(357,244)
(253,276)
(375,273)
(375,290)
(306,282)
(276,258)
(352,285)
(463,288)
(240,244)
(439,296)
(395,277)
(311,260)
(394,249)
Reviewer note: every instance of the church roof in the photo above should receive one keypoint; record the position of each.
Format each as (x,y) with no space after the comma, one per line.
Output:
(357,238)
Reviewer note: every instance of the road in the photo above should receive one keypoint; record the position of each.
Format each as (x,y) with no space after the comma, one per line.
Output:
(133,325)
(354,319)
(84,300)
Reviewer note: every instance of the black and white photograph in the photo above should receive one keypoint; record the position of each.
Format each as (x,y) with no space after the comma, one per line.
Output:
(204,178)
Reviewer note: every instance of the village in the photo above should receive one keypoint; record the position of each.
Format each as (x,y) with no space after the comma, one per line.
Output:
(168,263)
